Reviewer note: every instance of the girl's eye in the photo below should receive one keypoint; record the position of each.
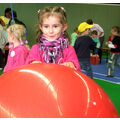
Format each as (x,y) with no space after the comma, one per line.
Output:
(55,26)
(46,26)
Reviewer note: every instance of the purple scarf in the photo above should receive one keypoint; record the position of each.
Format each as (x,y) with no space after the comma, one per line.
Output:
(53,50)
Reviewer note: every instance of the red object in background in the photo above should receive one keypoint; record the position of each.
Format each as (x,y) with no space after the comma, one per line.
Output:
(52,91)
(6,47)
(94,60)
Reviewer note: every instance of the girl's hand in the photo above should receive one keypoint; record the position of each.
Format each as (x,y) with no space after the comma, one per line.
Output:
(106,43)
(35,62)
(69,64)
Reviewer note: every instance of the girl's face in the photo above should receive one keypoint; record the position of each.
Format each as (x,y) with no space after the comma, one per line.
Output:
(94,36)
(10,37)
(114,32)
(52,28)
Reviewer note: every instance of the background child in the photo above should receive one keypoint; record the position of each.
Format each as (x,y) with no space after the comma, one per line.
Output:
(111,37)
(82,47)
(100,31)
(6,18)
(18,52)
(3,41)
(114,51)
(74,36)
(52,38)
(94,36)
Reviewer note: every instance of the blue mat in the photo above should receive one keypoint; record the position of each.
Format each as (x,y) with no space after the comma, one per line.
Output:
(100,72)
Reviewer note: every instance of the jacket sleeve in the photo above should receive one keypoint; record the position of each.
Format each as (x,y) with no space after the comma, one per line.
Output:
(76,45)
(70,56)
(3,38)
(34,55)
(18,60)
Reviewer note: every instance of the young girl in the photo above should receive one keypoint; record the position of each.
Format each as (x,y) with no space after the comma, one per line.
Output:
(18,52)
(74,36)
(112,36)
(114,46)
(52,38)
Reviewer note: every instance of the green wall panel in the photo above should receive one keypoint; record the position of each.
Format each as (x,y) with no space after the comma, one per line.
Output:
(105,15)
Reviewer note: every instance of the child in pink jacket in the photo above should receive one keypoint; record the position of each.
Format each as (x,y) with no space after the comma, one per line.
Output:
(18,51)
(53,45)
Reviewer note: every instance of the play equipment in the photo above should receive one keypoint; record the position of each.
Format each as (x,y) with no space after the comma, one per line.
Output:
(94,59)
(52,91)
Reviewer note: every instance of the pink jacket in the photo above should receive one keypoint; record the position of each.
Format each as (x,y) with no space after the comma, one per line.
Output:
(16,57)
(69,55)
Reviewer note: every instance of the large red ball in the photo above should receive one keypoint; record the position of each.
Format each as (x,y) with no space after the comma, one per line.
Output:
(50,90)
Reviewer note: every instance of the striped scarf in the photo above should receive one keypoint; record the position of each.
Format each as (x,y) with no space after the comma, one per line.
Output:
(53,50)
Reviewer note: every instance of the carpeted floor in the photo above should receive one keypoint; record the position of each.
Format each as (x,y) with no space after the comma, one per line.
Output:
(100,72)
(111,85)
(112,90)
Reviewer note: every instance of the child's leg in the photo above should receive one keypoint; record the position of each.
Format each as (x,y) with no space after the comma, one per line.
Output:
(96,51)
(6,55)
(111,63)
(100,54)
(117,62)
(1,58)
(89,69)
(85,65)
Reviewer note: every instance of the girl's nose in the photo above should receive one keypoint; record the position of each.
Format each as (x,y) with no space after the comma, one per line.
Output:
(51,30)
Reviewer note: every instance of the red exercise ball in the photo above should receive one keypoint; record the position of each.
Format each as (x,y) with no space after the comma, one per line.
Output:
(52,91)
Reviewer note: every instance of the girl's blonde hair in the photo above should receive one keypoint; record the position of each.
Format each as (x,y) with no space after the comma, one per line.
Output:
(18,31)
(51,11)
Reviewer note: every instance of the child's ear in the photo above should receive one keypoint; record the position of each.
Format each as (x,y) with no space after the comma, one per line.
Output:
(65,27)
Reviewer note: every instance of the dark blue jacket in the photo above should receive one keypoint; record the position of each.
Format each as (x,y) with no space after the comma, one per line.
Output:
(82,46)
(116,41)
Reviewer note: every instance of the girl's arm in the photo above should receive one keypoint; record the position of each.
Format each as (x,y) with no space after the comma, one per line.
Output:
(34,55)
(70,58)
